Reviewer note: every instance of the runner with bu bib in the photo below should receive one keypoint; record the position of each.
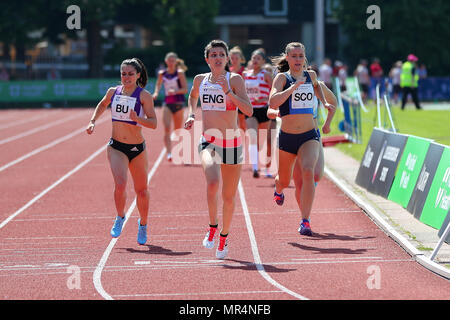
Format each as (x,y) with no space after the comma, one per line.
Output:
(131,109)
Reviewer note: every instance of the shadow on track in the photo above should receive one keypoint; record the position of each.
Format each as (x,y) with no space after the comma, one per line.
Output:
(151,249)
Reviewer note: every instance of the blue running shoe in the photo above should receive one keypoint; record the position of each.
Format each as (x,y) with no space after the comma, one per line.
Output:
(116,230)
(305,228)
(142,233)
(278,198)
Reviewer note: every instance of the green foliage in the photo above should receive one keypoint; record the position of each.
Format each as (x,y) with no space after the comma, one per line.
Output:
(407,26)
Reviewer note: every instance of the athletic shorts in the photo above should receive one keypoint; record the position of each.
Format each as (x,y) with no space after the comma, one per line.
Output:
(229,151)
(291,142)
(174,107)
(130,150)
(260,114)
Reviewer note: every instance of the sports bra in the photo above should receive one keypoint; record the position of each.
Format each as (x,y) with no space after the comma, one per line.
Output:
(121,105)
(172,81)
(302,99)
(212,96)
(256,87)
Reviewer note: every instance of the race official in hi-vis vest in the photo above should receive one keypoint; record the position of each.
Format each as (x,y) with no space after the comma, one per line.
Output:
(409,79)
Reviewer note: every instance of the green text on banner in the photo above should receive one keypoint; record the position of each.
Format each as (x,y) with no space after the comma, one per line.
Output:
(408,170)
(438,200)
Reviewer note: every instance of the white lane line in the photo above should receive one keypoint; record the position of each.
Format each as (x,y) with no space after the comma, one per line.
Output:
(44,192)
(193,293)
(255,252)
(97,277)
(40,128)
(16,123)
(47,146)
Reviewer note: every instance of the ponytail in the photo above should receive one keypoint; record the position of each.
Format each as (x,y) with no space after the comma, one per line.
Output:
(140,68)
(280,62)
(180,65)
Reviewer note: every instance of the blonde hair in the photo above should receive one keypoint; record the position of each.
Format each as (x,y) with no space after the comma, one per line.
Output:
(280,61)
(179,62)
(237,50)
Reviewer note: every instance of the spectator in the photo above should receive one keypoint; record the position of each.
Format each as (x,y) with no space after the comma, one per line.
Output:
(336,68)
(362,74)
(409,79)
(422,71)
(376,72)
(342,75)
(394,74)
(325,73)
(4,75)
(53,74)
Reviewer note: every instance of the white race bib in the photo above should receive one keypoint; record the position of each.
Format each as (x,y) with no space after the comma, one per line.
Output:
(170,84)
(213,98)
(121,107)
(252,88)
(302,97)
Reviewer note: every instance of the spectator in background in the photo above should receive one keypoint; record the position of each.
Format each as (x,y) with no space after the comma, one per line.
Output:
(394,74)
(326,72)
(422,71)
(409,79)
(362,74)
(376,72)
(53,74)
(336,68)
(4,75)
(342,75)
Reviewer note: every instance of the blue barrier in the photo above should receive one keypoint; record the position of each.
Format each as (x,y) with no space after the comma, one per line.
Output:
(430,89)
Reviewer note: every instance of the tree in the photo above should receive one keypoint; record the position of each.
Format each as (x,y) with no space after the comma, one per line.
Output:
(407,26)
(93,14)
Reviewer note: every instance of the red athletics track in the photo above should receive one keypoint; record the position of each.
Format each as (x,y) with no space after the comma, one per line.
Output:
(57,210)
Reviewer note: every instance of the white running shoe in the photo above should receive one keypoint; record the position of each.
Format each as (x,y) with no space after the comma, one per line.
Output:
(208,241)
(222,249)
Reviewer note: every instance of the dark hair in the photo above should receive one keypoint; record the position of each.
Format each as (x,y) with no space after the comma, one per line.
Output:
(217,44)
(261,52)
(280,61)
(140,68)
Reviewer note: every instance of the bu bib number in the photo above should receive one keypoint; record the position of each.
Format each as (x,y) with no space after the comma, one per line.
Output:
(213,98)
(121,107)
(303,97)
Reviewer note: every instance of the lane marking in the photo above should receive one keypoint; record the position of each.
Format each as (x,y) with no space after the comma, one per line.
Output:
(40,128)
(97,277)
(255,252)
(193,294)
(16,123)
(47,146)
(48,189)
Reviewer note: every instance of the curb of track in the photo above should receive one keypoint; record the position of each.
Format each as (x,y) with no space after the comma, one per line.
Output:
(375,215)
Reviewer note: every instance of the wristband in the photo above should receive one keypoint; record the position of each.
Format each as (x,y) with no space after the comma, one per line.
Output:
(92,121)
(192,115)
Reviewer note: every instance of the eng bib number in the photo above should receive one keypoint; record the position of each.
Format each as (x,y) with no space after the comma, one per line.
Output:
(302,98)
(213,98)
(121,107)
